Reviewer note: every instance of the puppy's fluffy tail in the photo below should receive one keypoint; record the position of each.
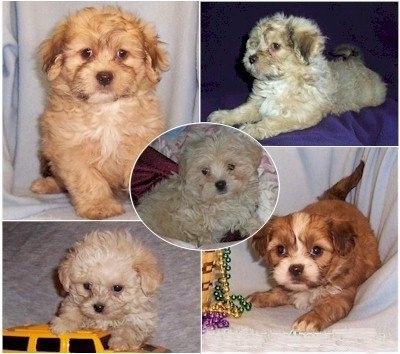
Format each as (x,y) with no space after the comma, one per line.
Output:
(347,52)
(345,185)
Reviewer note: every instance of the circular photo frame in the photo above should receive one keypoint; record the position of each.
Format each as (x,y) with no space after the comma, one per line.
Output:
(204,186)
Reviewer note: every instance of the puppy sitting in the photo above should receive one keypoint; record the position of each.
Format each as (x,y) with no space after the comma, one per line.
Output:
(215,191)
(102,66)
(318,257)
(110,280)
(294,85)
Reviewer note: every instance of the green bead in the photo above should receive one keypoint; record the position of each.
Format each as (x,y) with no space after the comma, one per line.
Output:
(233,297)
(228,267)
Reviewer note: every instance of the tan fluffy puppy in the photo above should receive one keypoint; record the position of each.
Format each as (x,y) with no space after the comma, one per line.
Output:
(110,280)
(294,85)
(216,191)
(102,66)
(318,257)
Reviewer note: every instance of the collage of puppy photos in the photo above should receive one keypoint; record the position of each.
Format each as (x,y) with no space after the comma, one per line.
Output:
(200,176)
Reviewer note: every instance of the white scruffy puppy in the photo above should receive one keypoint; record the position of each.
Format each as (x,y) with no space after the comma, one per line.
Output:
(294,85)
(215,191)
(110,280)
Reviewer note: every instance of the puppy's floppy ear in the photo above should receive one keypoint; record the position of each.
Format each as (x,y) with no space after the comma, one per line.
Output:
(261,238)
(343,236)
(150,276)
(156,56)
(64,270)
(51,51)
(305,38)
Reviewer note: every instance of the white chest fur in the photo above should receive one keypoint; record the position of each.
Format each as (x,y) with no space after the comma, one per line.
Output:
(103,127)
(304,299)
(269,94)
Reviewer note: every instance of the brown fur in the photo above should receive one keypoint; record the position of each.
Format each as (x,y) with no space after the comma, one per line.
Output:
(93,131)
(335,245)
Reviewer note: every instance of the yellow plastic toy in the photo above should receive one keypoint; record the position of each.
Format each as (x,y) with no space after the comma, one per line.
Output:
(34,338)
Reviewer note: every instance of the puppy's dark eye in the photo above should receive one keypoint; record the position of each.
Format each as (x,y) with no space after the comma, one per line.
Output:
(87,286)
(205,171)
(86,53)
(281,250)
(231,167)
(118,288)
(122,54)
(316,251)
(275,46)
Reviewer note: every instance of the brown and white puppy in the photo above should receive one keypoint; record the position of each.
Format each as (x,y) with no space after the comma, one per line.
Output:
(318,257)
(102,66)
(295,86)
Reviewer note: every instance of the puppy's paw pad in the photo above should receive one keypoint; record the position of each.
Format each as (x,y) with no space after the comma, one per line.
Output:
(102,209)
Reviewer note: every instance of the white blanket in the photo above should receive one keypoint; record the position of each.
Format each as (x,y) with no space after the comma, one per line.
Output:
(304,174)
(25,25)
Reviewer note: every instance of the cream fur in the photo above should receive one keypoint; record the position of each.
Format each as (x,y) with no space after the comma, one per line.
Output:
(102,261)
(93,131)
(189,207)
(294,85)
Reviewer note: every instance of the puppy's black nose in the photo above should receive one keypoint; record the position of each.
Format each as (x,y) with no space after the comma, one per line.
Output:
(99,308)
(252,58)
(104,77)
(296,269)
(220,185)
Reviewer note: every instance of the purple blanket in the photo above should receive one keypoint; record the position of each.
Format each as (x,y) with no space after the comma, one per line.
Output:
(375,126)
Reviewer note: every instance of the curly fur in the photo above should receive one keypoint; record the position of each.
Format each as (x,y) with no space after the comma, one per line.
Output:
(294,85)
(190,207)
(102,66)
(90,273)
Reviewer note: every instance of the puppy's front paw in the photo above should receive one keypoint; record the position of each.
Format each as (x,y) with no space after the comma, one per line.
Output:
(100,209)
(255,131)
(309,322)
(259,299)
(61,325)
(222,116)
(119,344)
(45,185)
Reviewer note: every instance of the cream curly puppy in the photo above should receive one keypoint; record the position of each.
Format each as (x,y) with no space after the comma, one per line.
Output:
(110,280)
(215,191)
(102,67)
(294,85)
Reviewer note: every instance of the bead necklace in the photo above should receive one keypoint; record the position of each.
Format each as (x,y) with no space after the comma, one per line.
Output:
(214,316)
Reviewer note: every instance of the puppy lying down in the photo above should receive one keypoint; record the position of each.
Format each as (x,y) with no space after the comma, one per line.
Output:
(216,189)
(295,86)
(318,257)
